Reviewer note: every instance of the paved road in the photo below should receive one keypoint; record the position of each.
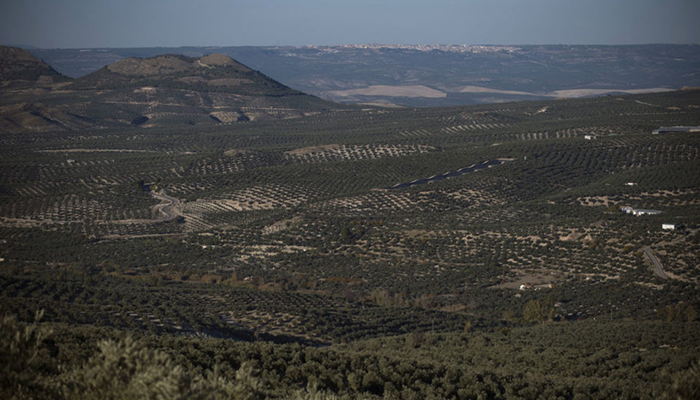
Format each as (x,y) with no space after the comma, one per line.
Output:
(167,208)
(658,269)
(476,167)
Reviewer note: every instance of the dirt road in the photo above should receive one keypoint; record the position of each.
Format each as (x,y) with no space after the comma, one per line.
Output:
(658,269)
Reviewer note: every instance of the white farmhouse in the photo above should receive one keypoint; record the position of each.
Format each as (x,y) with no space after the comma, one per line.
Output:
(670,227)
(639,212)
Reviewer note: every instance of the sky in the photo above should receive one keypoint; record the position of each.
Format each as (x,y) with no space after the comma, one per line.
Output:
(174,23)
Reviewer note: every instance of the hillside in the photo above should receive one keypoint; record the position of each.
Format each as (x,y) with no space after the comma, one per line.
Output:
(462,252)
(166,90)
(20,69)
(216,72)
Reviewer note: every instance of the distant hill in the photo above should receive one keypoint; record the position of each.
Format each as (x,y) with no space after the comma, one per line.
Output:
(439,75)
(20,68)
(215,72)
(159,91)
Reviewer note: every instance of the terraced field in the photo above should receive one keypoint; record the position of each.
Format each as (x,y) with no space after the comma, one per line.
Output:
(295,207)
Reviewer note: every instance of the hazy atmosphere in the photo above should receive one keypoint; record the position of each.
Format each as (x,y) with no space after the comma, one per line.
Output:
(130,23)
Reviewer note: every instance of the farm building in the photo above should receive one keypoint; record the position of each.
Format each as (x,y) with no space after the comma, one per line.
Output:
(639,211)
(670,227)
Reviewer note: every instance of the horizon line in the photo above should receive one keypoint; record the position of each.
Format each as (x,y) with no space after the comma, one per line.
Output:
(29,47)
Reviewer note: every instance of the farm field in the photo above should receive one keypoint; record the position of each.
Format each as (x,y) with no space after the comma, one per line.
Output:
(320,252)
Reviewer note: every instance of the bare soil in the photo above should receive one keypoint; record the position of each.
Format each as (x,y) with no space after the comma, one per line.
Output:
(393,91)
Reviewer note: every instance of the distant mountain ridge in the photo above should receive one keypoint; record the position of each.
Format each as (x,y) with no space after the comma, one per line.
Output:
(164,90)
(440,75)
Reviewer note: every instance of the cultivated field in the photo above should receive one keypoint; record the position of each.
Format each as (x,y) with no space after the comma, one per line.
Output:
(295,231)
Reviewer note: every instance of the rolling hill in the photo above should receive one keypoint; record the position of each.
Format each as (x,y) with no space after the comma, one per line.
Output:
(20,69)
(165,90)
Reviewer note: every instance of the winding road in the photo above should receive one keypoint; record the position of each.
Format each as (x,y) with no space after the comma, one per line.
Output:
(167,207)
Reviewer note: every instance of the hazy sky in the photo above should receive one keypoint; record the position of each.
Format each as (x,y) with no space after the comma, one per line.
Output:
(172,23)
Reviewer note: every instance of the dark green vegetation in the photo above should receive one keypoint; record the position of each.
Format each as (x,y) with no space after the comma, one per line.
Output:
(534,71)
(284,271)
(589,359)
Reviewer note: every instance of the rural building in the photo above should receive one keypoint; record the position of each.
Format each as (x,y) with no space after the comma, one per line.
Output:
(670,227)
(639,211)
(589,137)
(667,129)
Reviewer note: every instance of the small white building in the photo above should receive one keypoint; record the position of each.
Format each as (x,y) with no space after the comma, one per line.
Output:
(670,227)
(639,212)
(589,137)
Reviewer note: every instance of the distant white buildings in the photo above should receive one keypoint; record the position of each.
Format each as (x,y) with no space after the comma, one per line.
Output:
(463,48)
(667,129)
(670,227)
(639,211)
(589,137)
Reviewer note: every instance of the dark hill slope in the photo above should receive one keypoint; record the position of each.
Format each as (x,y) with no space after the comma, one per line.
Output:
(215,72)
(166,90)
(19,68)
